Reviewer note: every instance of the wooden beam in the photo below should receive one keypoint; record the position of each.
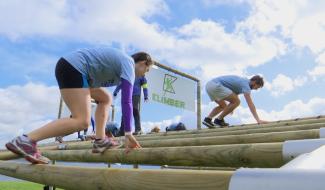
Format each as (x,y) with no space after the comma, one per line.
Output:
(200,141)
(239,155)
(7,155)
(76,178)
(236,132)
(233,128)
(234,139)
(218,140)
(197,168)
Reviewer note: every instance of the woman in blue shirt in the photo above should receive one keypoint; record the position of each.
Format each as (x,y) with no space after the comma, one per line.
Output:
(81,75)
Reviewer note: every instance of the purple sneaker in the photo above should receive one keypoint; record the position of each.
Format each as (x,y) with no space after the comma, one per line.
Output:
(23,146)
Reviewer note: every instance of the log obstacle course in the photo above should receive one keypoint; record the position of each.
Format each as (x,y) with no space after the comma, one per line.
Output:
(297,121)
(216,152)
(239,131)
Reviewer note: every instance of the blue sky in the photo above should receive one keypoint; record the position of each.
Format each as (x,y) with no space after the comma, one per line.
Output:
(282,40)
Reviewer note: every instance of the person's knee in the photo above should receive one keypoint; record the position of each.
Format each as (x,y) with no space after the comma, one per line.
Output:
(103,98)
(83,123)
(236,102)
(106,100)
(223,106)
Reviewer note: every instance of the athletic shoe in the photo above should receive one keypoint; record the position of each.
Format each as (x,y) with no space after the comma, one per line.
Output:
(23,146)
(208,122)
(220,122)
(82,137)
(59,139)
(137,133)
(99,146)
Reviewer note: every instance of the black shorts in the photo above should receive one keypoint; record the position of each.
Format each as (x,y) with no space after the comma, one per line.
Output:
(69,77)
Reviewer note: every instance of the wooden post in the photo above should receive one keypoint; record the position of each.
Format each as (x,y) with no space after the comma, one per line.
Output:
(76,178)
(60,108)
(198,103)
(176,71)
(113,113)
(238,155)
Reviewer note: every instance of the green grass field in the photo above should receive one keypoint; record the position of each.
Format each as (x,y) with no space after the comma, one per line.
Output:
(14,185)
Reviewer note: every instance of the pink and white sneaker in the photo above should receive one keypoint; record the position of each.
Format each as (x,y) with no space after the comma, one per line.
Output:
(23,146)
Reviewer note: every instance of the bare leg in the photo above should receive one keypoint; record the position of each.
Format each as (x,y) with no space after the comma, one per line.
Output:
(218,109)
(78,102)
(104,100)
(233,104)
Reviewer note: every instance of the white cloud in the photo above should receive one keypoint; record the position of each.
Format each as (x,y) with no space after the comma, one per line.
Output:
(309,31)
(319,70)
(299,21)
(294,109)
(25,108)
(100,22)
(202,45)
(269,16)
(33,18)
(282,84)
(205,45)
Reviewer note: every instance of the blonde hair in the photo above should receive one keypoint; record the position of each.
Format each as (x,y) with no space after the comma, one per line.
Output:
(156,129)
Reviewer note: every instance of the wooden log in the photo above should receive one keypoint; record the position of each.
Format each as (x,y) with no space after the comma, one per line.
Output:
(264,155)
(234,139)
(201,141)
(241,127)
(319,117)
(197,168)
(76,178)
(238,132)
(219,140)
(7,155)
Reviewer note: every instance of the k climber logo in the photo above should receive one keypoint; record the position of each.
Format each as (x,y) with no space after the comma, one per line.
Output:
(168,83)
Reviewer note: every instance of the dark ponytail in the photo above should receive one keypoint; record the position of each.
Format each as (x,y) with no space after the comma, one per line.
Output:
(142,56)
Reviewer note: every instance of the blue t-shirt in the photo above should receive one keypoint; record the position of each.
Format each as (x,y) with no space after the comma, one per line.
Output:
(238,85)
(103,67)
(139,82)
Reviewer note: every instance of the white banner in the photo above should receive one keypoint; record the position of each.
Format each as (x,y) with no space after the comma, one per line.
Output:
(171,89)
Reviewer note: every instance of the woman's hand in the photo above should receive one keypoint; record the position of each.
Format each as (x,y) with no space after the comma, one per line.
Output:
(262,122)
(131,143)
